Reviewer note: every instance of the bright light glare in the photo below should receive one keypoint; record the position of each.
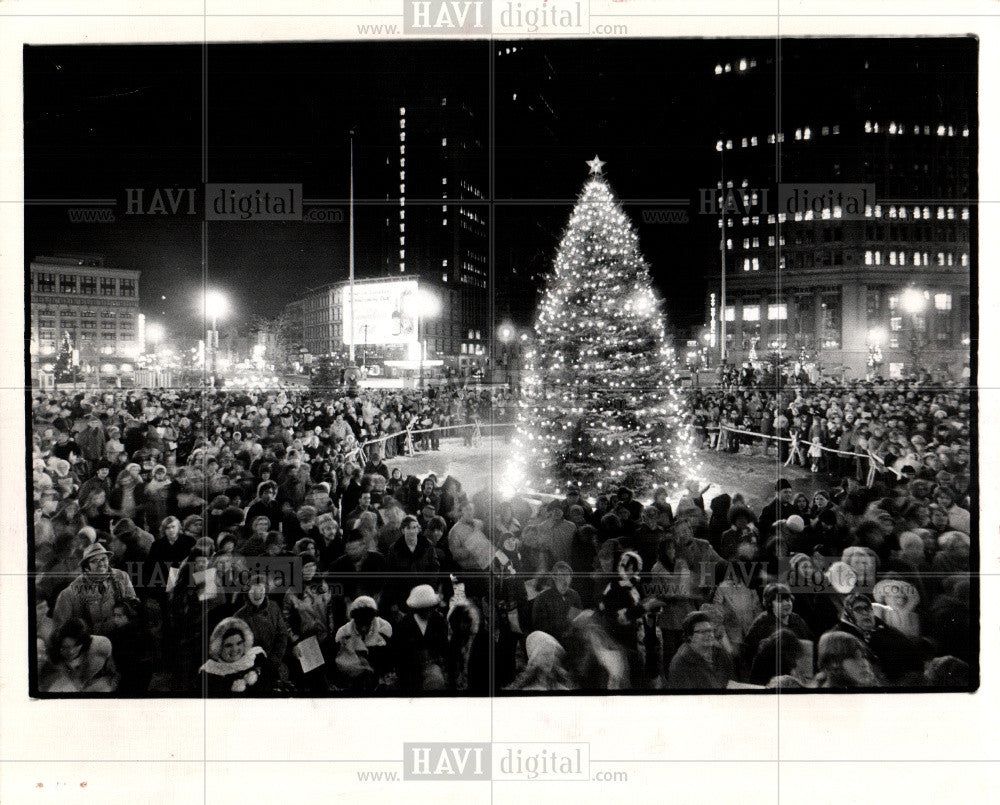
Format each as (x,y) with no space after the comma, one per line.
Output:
(430,304)
(506,333)
(643,303)
(154,332)
(913,301)
(876,336)
(215,304)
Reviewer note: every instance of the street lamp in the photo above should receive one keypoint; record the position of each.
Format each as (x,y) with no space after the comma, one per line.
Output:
(429,307)
(214,305)
(913,301)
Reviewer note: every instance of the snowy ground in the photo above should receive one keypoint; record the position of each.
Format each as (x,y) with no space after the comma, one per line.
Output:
(476,468)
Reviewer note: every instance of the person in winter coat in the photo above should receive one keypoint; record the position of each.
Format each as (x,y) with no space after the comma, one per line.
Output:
(411,560)
(236,666)
(553,609)
(421,643)
(700,663)
(102,597)
(895,658)
(78,662)
(777,615)
(266,621)
(363,646)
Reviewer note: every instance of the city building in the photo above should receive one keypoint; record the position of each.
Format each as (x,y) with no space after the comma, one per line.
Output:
(435,226)
(398,325)
(96,305)
(877,278)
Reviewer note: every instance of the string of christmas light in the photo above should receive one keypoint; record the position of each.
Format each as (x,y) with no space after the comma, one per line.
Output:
(600,403)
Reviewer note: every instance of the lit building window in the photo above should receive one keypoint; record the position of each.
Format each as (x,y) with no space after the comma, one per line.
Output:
(836,128)
(444,180)
(868,258)
(806,133)
(824,131)
(942,301)
(798,134)
(951,213)
(718,69)
(402,110)
(940,131)
(965,260)
(444,141)
(743,64)
(965,213)
(777,312)
(868,126)
(754,264)
(746,263)
(753,141)
(751,313)
(730,313)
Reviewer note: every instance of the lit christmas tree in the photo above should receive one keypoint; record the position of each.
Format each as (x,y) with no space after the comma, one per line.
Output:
(601,403)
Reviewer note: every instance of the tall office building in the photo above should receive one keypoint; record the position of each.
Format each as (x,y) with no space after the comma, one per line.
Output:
(95,304)
(893,281)
(435,223)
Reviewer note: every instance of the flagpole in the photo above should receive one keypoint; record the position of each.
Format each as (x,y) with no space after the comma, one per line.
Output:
(350,252)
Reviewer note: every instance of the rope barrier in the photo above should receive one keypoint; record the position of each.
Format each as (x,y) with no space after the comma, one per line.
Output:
(875,463)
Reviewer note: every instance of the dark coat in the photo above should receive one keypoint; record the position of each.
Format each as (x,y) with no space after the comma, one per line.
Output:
(416,651)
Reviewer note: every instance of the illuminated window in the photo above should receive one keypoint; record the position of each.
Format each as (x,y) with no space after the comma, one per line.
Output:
(402,110)
(868,258)
(751,313)
(754,264)
(444,141)
(730,313)
(777,312)
(942,301)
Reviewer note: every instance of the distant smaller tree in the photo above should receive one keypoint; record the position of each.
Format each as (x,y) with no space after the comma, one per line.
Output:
(325,374)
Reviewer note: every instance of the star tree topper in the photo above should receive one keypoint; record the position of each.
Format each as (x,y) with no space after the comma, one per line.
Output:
(596,165)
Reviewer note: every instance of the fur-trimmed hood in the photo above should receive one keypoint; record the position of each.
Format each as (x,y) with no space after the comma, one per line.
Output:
(216,665)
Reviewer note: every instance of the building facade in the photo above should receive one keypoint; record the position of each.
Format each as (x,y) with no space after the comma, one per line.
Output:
(401,320)
(96,305)
(872,280)
(436,217)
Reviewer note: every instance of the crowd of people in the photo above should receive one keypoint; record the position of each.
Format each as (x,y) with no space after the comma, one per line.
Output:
(834,428)
(240,544)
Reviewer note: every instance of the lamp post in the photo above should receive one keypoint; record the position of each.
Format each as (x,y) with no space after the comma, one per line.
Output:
(429,307)
(215,305)
(506,334)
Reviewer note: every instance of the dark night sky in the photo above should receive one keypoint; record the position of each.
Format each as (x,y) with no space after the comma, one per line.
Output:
(99,119)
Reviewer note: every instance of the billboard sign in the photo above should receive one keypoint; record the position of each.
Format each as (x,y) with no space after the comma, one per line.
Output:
(384,312)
